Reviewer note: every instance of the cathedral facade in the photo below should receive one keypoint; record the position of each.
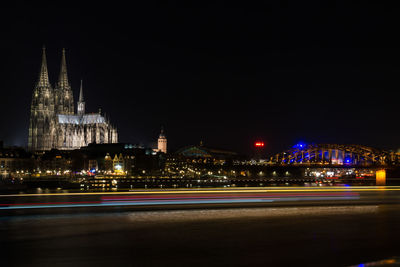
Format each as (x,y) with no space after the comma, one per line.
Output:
(53,121)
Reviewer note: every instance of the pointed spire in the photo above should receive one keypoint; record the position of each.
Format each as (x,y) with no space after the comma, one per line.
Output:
(81,102)
(81,93)
(44,74)
(63,77)
(162,135)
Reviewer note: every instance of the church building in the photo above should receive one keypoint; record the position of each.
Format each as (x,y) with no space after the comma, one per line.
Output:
(53,121)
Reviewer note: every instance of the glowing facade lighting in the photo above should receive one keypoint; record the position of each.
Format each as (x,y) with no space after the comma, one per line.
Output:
(381,177)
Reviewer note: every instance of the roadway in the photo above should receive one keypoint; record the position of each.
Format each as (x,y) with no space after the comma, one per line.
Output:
(324,226)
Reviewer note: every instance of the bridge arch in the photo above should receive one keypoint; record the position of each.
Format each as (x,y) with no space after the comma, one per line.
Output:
(335,154)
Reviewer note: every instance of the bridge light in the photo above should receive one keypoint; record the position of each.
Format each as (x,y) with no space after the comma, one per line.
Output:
(300,145)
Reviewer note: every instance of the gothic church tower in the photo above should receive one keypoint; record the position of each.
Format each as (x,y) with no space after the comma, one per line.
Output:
(81,103)
(41,124)
(64,100)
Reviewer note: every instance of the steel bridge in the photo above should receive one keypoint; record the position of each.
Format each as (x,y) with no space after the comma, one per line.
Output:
(336,155)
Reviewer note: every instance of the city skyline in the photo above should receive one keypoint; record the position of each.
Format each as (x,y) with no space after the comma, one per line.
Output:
(220,74)
(180,133)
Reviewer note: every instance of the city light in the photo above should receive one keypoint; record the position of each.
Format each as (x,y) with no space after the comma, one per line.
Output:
(380,177)
(300,145)
(87,174)
(259,144)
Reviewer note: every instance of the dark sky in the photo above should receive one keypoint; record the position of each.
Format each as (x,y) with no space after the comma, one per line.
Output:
(224,73)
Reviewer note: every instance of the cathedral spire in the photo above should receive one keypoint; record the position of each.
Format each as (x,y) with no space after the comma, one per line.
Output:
(63,77)
(64,100)
(44,74)
(42,112)
(81,102)
(81,93)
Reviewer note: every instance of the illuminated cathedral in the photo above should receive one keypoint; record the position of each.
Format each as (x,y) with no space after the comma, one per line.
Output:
(53,121)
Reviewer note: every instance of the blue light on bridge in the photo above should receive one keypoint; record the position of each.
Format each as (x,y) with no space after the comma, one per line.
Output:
(300,145)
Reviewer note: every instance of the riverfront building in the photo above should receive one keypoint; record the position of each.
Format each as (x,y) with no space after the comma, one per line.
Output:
(53,120)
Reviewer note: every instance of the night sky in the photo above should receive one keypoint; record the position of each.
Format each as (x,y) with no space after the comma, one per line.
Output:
(227,74)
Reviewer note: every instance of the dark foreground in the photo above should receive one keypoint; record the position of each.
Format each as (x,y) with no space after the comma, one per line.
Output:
(325,232)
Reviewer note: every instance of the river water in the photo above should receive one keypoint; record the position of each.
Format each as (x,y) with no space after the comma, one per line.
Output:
(265,236)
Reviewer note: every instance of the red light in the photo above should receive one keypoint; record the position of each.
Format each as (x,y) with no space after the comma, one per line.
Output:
(259,144)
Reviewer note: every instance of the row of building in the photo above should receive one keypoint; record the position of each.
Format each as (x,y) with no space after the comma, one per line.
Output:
(120,159)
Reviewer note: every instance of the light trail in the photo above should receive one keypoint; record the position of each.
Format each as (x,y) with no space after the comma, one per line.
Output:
(200,196)
(185,199)
(136,203)
(219,190)
(166,202)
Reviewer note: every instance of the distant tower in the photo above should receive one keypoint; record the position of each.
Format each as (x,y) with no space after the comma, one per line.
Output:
(41,123)
(64,100)
(81,102)
(162,142)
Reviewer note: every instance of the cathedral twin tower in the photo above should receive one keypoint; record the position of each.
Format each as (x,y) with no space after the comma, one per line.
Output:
(53,122)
